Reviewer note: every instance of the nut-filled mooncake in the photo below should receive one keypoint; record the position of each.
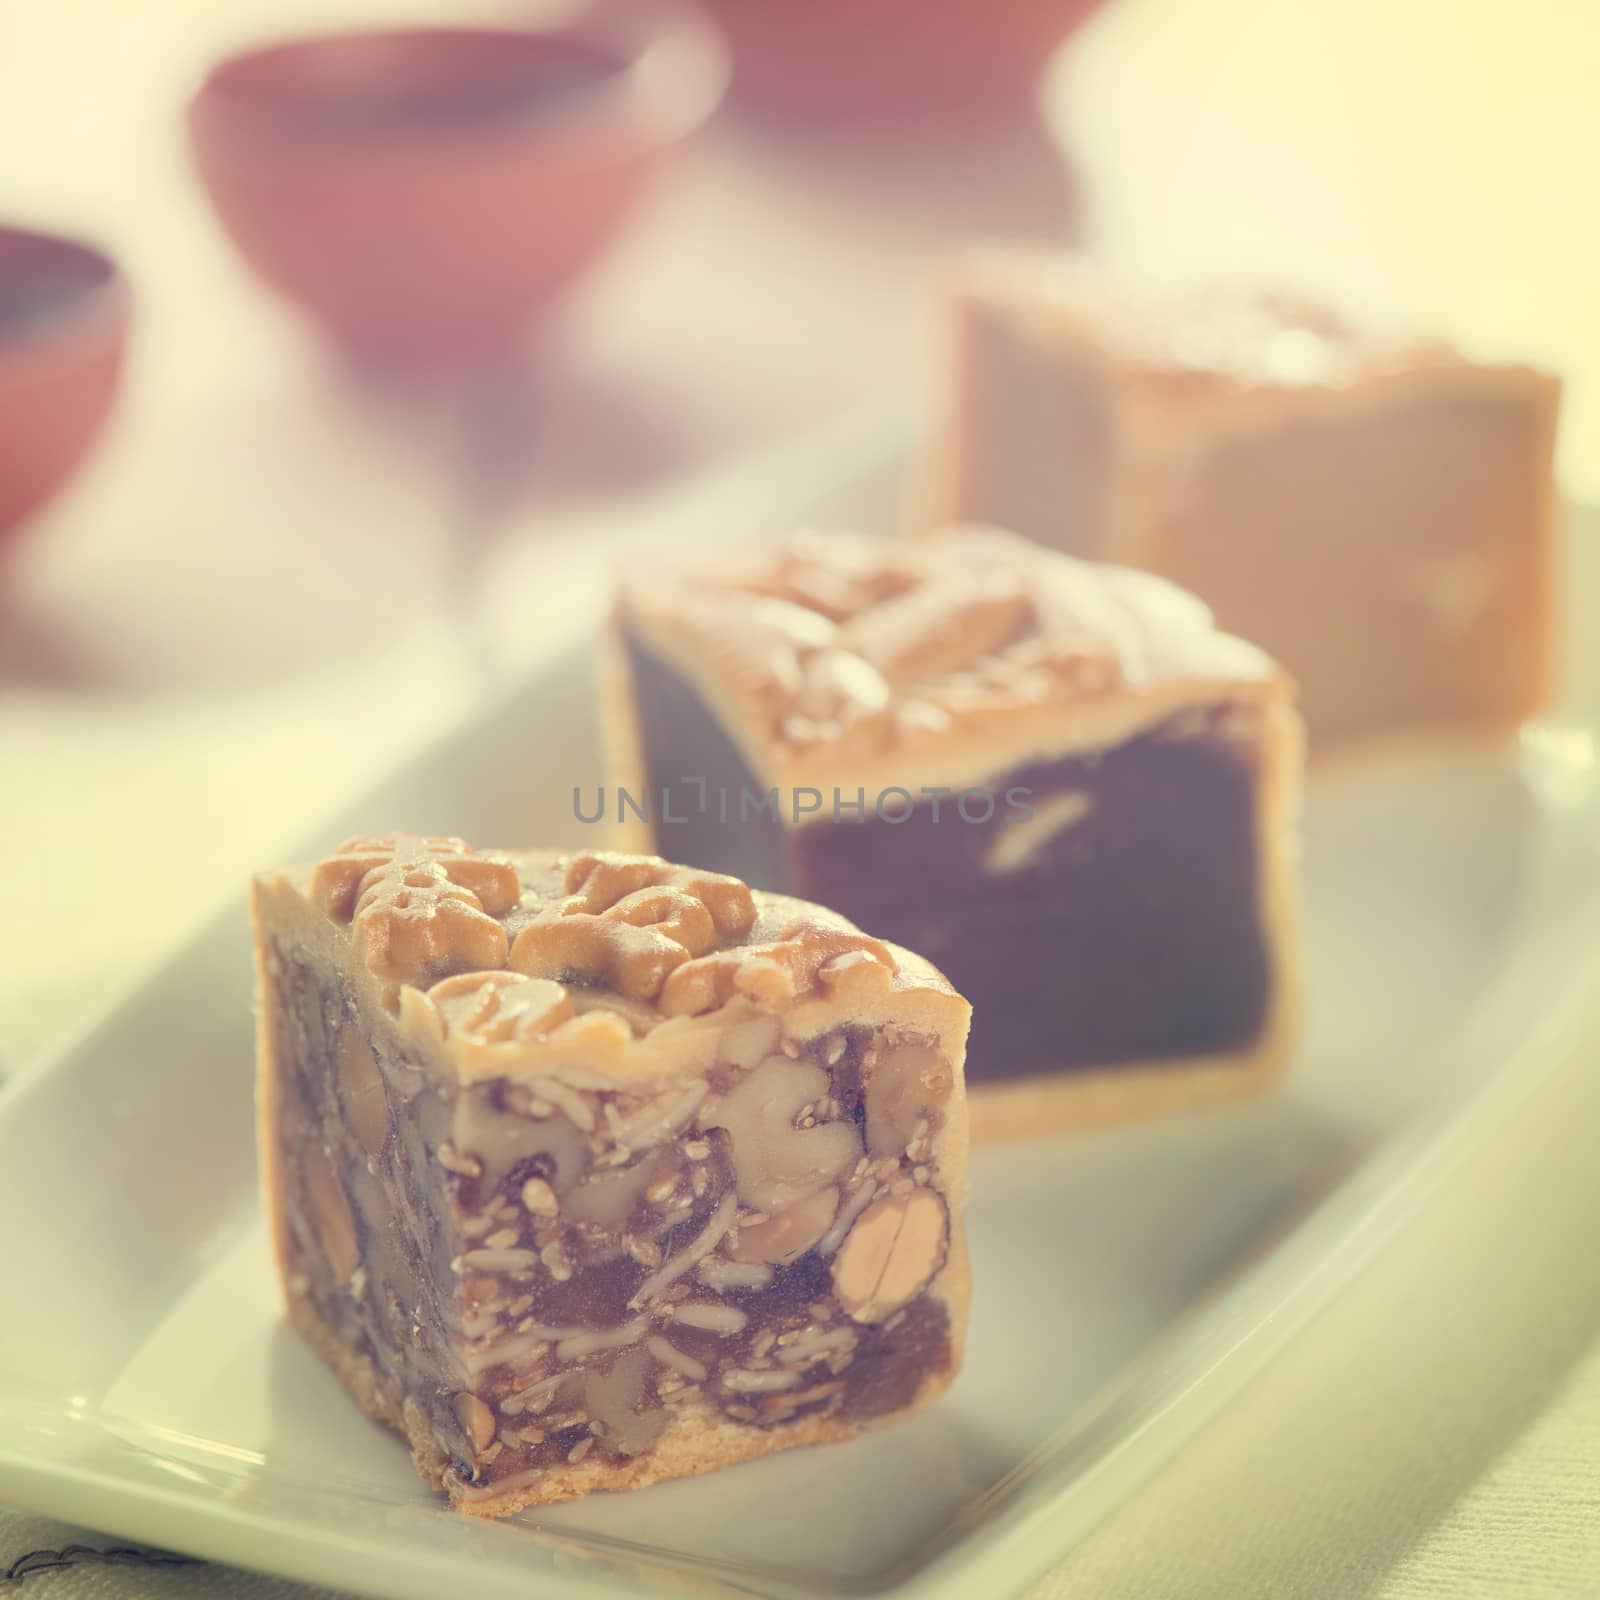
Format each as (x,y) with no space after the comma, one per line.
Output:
(586,1170)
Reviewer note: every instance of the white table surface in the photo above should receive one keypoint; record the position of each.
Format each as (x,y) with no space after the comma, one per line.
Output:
(253,595)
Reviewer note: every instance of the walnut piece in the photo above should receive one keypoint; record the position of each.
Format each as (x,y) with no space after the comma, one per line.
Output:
(745,1043)
(776,1163)
(597,880)
(580,948)
(611,1399)
(907,1083)
(891,1254)
(501,1141)
(628,921)
(419,908)
(336,883)
(803,956)
(670,911)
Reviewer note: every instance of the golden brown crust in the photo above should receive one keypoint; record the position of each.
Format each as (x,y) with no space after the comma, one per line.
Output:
(677,947)
(834,658)
(268,1070)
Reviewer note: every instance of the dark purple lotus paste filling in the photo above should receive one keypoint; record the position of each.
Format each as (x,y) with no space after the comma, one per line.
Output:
(688,758)
(1130,934)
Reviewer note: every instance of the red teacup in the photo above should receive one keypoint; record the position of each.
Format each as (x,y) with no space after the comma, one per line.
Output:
(890,58)
(431,190)
(63,325)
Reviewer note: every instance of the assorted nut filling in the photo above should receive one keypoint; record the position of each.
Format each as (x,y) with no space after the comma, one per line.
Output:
(367,1211)
(548,1268)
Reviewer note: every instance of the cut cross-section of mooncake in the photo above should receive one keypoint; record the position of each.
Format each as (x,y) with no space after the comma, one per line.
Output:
(1057,779)
(584,1171)
(1376,510)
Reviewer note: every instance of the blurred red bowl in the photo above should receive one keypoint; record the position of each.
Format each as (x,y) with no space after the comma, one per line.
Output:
(63,325)
(431,190)
(890,57)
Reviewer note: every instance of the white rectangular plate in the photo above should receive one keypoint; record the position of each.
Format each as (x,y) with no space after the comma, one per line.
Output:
(1127,1282)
